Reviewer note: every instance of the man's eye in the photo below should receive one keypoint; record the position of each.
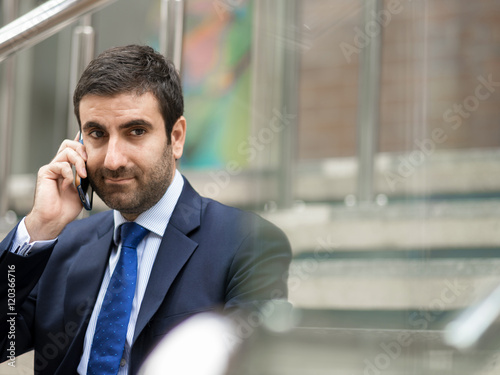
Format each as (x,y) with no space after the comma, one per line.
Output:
(138,132)
(96,133)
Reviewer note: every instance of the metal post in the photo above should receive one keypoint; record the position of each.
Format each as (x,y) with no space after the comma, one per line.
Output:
(82,52)
(368,106)
(10,11)
(172,30)
(275,64)
(178,32)
(164,34)
(288,68)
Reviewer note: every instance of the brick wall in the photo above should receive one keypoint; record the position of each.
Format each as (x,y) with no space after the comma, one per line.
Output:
(433,54)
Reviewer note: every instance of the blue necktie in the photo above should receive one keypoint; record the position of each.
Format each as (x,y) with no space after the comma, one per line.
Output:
(111,328)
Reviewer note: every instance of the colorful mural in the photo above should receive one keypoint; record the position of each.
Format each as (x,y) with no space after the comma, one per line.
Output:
(216,80)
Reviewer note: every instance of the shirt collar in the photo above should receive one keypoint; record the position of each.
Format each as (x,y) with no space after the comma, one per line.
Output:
(157,217)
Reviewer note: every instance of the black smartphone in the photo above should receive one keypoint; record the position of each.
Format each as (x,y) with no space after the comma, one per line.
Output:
(85,191)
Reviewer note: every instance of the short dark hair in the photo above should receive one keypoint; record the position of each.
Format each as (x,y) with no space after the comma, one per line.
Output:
(134,69)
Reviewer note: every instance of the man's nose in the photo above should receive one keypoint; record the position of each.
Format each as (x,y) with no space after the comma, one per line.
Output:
(115,157)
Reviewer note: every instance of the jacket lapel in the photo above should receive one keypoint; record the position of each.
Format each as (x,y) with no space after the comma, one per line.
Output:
(84,280)
(175,250)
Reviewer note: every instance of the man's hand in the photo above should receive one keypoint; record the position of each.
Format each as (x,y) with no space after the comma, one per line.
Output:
(56,198)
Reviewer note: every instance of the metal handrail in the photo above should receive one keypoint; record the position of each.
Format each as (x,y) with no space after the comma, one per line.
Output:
(24,32)
(42,22)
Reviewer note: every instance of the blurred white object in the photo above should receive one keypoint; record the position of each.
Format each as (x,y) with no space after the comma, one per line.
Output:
(202,345)
(466,331)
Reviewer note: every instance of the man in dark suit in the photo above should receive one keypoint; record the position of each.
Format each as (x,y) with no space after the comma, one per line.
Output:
(194,255)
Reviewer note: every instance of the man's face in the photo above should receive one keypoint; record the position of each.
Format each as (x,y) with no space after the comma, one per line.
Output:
(130,163)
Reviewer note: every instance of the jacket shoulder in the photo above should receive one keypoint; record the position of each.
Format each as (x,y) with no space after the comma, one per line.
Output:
(83,228)
(227,219)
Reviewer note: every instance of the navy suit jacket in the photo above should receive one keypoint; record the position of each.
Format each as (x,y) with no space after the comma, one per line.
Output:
(211,256)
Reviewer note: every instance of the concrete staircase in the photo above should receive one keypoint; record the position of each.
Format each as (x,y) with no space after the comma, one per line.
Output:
(423,255)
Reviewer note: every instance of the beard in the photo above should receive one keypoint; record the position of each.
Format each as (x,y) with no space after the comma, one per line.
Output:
(146,189)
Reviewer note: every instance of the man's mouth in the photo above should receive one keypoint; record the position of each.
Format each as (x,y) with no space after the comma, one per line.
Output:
(118,181)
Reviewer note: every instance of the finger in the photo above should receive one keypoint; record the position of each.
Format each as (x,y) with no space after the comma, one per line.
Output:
(57,170)
(77,138)
(65,144)
(74,158)
(74,145)
(67,174)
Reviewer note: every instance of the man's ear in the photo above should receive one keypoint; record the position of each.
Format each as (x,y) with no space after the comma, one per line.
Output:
(177,137)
